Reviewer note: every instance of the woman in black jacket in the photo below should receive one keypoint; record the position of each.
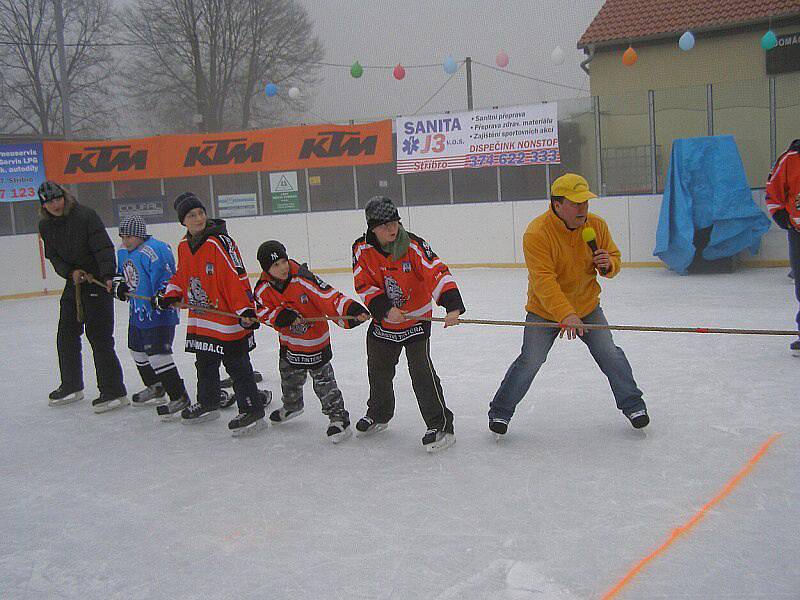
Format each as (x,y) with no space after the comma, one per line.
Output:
(77,245)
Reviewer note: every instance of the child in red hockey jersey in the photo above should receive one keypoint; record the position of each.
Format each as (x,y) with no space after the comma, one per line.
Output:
(287,293)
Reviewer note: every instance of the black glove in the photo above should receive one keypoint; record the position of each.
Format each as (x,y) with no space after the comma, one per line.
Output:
(355,310)
(286,317)
(781,218)
(161,303)
(119,288)
(250,314)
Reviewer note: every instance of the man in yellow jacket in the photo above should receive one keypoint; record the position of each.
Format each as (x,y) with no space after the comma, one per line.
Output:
(563,288)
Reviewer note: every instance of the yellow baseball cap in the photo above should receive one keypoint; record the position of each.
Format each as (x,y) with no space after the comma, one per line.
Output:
(573,187)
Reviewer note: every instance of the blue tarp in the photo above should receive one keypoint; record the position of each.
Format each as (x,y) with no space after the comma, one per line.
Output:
(707,187)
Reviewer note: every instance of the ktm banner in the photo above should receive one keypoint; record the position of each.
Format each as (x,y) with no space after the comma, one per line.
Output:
(166,156)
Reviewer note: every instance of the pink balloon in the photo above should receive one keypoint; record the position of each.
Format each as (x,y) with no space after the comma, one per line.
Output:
(501,60)
(399,72)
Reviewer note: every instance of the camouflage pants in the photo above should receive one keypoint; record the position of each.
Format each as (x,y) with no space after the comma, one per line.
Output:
(324,382)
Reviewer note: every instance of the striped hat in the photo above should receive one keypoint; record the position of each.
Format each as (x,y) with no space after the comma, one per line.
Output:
(133,225)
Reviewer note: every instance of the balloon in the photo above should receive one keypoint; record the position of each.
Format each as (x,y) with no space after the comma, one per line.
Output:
(270,90)
(399,72)
(557,56)
(501,60)
(356,70)
(686,42)
(630,57)
(450,66)
(769,41)
(294,93)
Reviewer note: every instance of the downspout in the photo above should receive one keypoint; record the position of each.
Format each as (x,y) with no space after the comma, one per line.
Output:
(585,63)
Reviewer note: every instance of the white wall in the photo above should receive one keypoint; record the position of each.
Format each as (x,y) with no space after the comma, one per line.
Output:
(488,233)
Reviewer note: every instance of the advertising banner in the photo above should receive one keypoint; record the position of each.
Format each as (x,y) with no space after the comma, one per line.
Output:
(237,205)
(166,156)
(150,208)
(21,172)
(517,135)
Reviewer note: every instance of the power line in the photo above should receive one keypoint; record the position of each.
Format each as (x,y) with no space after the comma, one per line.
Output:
(506,71)
(436,93)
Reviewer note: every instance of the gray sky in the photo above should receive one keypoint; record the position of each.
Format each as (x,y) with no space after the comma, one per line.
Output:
(385,33)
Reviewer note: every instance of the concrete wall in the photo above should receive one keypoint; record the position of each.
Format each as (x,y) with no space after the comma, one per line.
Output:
(488,233)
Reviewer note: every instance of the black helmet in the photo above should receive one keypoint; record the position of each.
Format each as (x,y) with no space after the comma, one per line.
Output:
(50,190)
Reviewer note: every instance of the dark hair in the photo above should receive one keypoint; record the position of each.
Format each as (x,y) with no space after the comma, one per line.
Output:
(557,198)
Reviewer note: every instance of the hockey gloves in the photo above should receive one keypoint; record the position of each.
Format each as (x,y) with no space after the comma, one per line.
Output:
(160,302)
(119,288)
(250,314)
(286,317)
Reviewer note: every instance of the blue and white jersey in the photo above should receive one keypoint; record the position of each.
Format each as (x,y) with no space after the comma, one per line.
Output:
(146,270)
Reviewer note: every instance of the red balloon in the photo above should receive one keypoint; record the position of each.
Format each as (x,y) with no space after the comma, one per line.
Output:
(399,72)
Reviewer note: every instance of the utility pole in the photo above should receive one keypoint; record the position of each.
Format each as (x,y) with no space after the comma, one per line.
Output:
(468,64)
(62,67)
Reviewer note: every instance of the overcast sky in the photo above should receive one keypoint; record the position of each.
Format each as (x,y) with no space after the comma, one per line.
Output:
(382,32)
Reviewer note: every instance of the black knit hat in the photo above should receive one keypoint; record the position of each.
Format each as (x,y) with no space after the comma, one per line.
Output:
(50,190)
(380,210)
(186,202)
(269,252)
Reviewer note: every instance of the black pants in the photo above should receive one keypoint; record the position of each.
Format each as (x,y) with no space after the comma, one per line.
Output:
(382,358)
(240,370)
(98,310)
(794,262)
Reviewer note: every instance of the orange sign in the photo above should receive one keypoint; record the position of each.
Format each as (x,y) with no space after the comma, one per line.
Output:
(288,148)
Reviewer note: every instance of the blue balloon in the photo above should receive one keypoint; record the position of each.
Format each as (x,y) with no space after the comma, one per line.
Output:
(769,41)
(270,90)
(687,41)
(450,66)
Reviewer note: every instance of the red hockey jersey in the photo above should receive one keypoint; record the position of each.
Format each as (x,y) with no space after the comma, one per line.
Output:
(783,185)
(304,345)
(409,284)
(211,273)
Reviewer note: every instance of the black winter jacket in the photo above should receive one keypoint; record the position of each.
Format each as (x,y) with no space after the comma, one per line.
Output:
(78,240)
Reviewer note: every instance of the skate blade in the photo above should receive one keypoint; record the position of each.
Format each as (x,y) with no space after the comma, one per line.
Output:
(68,400)
(442,444)
(340,437)
(115,403)
(209,416)
(497,437)
(252,429)
(796,353)
(170,417)
(372,431)
(151,403)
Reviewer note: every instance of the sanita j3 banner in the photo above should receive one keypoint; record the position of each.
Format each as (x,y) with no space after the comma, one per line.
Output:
(517,135)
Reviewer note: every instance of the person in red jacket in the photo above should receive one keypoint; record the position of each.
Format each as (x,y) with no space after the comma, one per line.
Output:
(783,203)
(397,274)
(211,274)
(287,293)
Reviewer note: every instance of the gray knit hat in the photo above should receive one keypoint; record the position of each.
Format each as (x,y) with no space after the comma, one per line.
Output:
(380,210)
(133,225)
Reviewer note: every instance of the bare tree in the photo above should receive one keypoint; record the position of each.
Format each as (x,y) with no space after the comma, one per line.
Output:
(30,89)
(213,57)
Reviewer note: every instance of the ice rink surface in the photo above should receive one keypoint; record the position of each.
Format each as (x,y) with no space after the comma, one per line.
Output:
(120,505)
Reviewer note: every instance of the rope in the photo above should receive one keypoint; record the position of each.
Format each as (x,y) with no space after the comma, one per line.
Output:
(546,324)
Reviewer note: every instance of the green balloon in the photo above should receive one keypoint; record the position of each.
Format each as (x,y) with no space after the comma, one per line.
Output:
(356,70)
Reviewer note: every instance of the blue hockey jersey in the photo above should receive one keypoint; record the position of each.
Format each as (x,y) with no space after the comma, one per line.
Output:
(146,270)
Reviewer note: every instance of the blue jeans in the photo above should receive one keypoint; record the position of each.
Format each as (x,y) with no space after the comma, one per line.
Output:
(536,344)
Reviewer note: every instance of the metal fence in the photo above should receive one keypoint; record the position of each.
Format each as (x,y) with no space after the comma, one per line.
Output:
(621,144)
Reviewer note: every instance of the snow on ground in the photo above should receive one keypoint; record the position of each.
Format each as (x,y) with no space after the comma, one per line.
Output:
(120,505)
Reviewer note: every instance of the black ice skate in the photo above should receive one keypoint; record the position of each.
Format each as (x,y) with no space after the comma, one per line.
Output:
(172,409)
(498,427)
(108,402)
(226,383)
(247,423)
(795,348)
(152,395)
(62,395)
(367,426)
(339,431)
(226,400)
(639,418)
(436,439)
(197,413)
(282,415)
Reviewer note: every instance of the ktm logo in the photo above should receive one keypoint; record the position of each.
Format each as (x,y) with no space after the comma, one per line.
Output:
(224,152)
(328,144)
(103,159)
